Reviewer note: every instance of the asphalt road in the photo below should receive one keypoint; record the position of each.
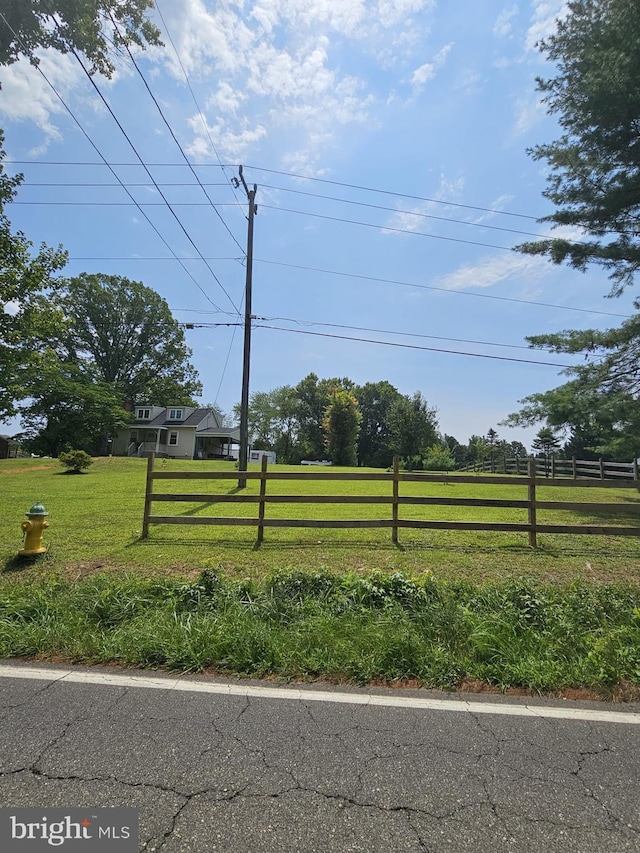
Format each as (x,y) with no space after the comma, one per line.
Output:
(222,771)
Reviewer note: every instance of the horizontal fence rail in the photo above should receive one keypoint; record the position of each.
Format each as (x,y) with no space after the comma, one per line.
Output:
(553,467)
(393,480)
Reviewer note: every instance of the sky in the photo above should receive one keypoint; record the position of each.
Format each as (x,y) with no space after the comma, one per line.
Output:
(387,141)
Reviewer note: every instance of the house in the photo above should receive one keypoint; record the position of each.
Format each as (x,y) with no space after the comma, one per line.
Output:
(8,447)
(180,432)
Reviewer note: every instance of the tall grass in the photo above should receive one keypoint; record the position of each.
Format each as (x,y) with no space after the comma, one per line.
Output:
(515,633)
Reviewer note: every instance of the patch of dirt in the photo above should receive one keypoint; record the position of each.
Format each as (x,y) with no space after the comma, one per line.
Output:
(30,468)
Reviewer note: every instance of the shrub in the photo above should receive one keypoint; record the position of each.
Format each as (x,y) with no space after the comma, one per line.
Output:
(75,460)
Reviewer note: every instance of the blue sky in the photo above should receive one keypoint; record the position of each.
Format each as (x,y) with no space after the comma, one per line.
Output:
(402,116)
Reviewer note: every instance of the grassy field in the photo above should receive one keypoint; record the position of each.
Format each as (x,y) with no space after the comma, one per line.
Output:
(465,610)
(96,520)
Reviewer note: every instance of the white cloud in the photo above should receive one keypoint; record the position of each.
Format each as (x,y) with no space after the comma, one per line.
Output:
(502,26)
(415,218)
(278,65)
(428,71)
(26,95)
(522,270)
(529,111)
(543,21)
(11,308)
(234,141)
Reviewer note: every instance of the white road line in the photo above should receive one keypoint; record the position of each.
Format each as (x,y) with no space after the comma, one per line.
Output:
(332,696)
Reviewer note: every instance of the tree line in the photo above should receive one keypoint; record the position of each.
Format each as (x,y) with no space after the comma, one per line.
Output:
(366,425)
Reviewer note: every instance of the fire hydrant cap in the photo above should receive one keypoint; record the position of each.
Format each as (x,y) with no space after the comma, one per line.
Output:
(37,509)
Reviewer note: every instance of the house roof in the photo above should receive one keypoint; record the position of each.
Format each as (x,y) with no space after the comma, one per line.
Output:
(221,432)
(163,420)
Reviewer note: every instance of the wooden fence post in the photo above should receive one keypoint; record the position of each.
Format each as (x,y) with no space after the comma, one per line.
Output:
(635,470)
(531,489)
(261,503)
(601,468)
(147,495)
(394,506)
(574,468)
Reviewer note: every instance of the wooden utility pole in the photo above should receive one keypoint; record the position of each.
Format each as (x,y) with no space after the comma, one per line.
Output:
(244,401)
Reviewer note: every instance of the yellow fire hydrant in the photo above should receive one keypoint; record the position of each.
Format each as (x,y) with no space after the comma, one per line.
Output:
(33,530)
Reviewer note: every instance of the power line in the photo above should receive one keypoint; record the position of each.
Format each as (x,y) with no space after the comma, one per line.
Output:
(439,289)
(408,212)
(175,139)
(191,325)
(362,277)
(135,151)
(392,332)
(386,228)
(123,204)
(398,194)
(119,185)
(112,170)
(413,346)
(195,101)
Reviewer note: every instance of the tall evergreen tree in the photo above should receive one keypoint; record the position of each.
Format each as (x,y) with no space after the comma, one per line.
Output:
(594,166)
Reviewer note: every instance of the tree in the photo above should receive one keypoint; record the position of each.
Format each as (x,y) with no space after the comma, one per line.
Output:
(439,458)
(96,28)
(413,428)
(491,439)
(313,396)
(599,406)
(341,425)
(594,167)
(70,407)
(375,400)
(546,443)
(477,448)
(273,423)
(126,331)
(27,282)
(75,461)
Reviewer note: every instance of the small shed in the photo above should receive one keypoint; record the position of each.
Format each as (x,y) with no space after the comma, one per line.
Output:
(8,447)
(256,456)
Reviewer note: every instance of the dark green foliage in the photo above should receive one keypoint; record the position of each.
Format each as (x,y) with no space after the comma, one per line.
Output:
(375,400)
(97,28)
(70,406)
(599,405)
(341,427)
(594,167)
(75,460)
(27,318)
(126,331)
(413,429)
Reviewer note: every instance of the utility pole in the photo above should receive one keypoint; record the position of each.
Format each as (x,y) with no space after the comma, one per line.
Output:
(244,402)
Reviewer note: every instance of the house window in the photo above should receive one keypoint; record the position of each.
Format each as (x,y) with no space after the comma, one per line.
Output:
(173,439)
(175,414)
(143,414)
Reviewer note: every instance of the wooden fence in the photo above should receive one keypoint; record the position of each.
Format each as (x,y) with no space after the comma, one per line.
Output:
(393,480)
(552,467)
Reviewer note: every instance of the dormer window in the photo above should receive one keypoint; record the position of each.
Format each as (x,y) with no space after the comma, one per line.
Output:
(175,414)
(144,414)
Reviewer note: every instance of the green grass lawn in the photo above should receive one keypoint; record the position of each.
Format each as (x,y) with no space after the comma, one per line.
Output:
(445,608)
(96,520)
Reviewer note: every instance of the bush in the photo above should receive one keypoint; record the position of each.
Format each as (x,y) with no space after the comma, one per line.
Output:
(75,460)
